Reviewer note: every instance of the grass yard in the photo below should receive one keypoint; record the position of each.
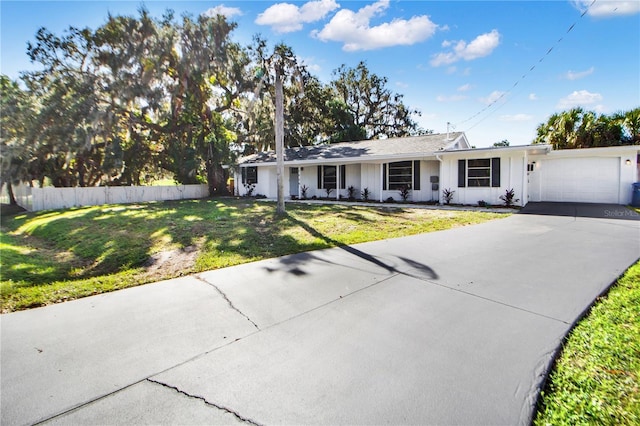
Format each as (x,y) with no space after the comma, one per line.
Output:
(596,379)
(54,256)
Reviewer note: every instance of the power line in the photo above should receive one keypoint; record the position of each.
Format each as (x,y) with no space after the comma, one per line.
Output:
(533,67)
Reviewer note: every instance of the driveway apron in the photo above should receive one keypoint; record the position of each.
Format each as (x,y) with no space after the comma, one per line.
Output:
(450,327)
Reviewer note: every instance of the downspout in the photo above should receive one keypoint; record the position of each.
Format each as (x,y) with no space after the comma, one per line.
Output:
(525,179)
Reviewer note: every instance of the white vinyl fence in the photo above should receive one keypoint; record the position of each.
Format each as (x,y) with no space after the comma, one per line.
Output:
(35,199)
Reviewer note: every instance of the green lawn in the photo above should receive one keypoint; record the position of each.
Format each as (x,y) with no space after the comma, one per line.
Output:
(596,380)
(50,257)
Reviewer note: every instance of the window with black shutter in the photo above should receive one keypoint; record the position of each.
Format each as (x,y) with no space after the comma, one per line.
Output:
(495,172)
(249,175)
(327,177)
(400,175)
(462,173)
(479,172)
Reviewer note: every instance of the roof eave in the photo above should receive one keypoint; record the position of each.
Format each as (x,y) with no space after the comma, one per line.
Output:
(347,160)
(542,147)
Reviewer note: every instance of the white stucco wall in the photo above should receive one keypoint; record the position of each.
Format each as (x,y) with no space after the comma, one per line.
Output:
(360,176)
(353,178)
(308,177)
(266,182)
(428,168)
(512,176)
(370,178)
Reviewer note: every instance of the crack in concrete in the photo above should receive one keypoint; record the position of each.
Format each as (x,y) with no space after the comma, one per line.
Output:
(219,407)
(488,299)
(224,296)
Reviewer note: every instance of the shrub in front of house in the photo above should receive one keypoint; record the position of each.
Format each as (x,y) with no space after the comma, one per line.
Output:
(365,194)
(405,193)
(447,195)
(509,198)
(351,193)
(249,188)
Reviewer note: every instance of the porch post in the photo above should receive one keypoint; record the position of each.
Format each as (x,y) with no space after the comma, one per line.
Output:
(381,179)
(337,182)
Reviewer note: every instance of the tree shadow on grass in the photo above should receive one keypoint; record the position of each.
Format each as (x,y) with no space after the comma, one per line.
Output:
(112,239)
(82,243)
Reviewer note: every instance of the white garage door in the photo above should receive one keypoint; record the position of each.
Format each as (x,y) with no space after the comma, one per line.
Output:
(586,180)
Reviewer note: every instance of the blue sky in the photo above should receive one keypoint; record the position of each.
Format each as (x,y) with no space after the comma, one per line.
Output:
(464,62)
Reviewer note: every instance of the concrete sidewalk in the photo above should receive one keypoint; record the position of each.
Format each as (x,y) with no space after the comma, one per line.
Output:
(451,327)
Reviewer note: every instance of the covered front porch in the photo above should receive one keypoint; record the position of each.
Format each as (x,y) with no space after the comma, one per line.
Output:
(415,179)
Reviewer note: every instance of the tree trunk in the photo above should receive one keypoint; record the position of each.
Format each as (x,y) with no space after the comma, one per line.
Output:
(12,197)
(280,209)
(216,179)
(216,175)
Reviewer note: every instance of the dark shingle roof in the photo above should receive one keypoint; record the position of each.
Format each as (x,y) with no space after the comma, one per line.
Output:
(411,146)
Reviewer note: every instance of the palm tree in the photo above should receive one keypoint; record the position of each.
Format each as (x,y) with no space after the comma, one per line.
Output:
(631,124)
(577,128)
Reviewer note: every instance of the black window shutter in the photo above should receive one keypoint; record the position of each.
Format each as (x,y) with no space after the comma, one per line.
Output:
(343,177)
(384,177)
(462,173)
(495,172)
(244,174)
(256,174)
(416,175)
(319,177)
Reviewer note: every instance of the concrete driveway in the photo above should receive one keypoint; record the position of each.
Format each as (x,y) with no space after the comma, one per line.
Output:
(451,327)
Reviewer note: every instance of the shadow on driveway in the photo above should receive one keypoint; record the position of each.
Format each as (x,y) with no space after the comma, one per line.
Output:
(593,210)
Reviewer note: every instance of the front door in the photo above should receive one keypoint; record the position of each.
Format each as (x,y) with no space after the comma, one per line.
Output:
(294,182)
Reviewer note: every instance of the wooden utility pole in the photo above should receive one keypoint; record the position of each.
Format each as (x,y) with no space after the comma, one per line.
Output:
(280,209)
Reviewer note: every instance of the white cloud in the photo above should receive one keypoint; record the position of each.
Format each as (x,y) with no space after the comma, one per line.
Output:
(608,8)
(223,10)
(479,47)
(516,117)
(287,17)
(571,75)
(310,64)
(579,98)
(452,98)
(354,31)
(533,97)
(464,88)
(402,84)
(493,97)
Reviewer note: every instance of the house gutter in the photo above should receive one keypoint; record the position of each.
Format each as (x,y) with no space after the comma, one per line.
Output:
(347,160)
